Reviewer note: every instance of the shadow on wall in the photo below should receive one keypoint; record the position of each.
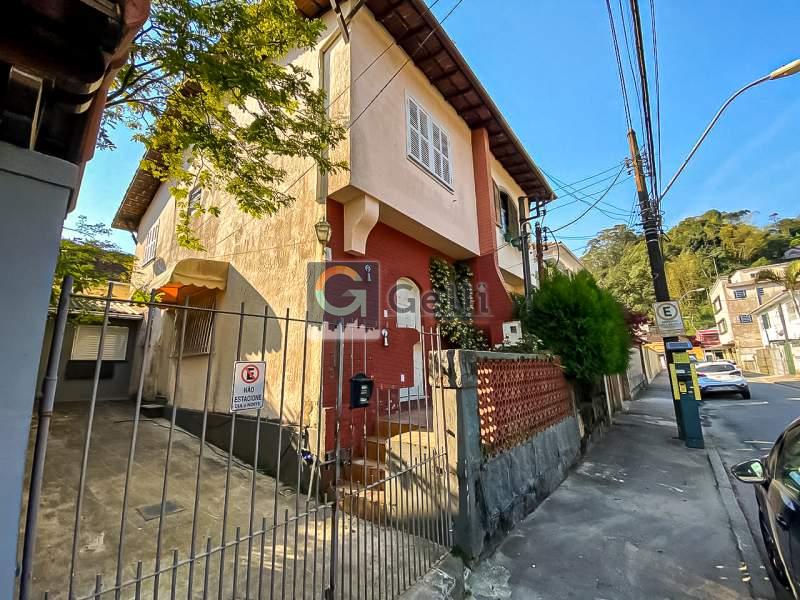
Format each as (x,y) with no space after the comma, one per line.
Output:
(200,381)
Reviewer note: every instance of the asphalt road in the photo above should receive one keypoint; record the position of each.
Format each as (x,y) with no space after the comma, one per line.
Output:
(743,429)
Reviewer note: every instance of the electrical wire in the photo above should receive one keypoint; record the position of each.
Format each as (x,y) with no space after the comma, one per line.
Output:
(558,245)
(646,106)
(616,166)
(591,196)
(620,72)
(630,62)
(591,206)
(657,165)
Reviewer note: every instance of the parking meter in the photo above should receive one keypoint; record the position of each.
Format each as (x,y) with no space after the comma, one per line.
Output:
(686,392)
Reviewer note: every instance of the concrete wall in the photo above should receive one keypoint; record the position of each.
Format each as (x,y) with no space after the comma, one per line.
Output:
(35,191)
(489,495)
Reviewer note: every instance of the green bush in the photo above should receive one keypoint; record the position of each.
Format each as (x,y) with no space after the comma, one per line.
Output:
(580,322)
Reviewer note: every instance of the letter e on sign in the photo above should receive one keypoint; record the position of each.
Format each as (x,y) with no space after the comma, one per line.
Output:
(669,319)
(247,392)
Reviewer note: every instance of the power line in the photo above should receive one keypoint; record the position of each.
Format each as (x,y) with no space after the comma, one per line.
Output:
(591,196)
(620,72)
(367,107)
(616,166)
(657,191)
(630,61)
(591,206)
(642,64)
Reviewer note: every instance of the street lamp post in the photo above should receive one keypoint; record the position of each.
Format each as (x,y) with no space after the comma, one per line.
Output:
(785,71)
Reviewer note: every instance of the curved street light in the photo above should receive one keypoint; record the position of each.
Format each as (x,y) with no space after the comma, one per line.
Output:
(785,71)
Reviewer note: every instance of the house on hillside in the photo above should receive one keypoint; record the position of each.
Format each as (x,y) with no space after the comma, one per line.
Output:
(435,171)
(779,323)
(734,299)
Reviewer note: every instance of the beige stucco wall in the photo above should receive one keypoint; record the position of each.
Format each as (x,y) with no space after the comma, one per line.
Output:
(379,162)
(508,257)
(268,268)
(743,335)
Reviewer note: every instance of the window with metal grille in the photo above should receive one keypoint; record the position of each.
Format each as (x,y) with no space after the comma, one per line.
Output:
(150,243)
(740,294)
(428,143)
(86,343)
(197,338)
(745,319)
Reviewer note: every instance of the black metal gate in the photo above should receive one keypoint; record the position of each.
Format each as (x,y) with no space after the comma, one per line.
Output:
(146,500)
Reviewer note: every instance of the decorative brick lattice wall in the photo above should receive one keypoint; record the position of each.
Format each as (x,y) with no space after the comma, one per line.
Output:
(518,398)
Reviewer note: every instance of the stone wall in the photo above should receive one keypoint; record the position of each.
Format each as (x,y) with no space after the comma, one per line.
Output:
(502,466)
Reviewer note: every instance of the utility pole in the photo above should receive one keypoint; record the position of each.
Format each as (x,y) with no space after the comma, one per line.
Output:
(527,205)
(650,223)
(539,252)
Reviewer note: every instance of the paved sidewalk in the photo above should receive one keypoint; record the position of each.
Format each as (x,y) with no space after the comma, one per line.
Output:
(640,517)
(790,380)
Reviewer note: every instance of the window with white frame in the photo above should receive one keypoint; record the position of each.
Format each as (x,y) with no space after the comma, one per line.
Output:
(428,143)
(740,294)
(765,321)
(86,343)
(745,319)
(150,243)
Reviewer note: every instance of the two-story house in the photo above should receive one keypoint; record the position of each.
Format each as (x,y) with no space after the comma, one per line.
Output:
(734,299)
(434,171)
(779,323)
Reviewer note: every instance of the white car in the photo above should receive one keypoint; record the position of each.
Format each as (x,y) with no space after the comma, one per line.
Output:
(721,376)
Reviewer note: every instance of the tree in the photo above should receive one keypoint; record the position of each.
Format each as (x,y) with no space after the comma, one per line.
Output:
(686,273)
(790,280)
(581,323)
(205,90)
(91,258)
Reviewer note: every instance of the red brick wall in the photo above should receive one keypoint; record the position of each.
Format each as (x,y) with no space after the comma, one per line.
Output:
(398,256)
(485,266)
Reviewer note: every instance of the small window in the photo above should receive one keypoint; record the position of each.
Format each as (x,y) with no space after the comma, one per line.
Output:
(408,304)
(745,319)
(197,339)
(740,294)
(717,305)
(765,321)
(86,343)
(760,294)
(428,144)
(722,324)
(193,202)
(150,244)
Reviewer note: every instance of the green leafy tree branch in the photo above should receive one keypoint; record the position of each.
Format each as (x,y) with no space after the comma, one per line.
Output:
(208,91)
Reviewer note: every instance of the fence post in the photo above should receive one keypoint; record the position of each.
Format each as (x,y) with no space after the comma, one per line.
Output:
(42,432)
(457,379)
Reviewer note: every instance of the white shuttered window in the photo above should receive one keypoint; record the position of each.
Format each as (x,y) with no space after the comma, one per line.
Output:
(428,144)
(150,243)
(86,343)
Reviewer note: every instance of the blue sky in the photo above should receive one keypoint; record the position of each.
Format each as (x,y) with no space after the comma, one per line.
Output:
(550,67)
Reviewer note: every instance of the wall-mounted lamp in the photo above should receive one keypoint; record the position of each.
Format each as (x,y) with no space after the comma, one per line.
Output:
(385,335)
(323,230)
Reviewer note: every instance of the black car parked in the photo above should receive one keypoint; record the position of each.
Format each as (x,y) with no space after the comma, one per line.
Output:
(777,485)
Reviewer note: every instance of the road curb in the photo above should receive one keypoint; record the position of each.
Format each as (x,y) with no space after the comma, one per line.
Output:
(745,542)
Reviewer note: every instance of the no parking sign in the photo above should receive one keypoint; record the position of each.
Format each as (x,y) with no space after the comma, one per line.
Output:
(248,385)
